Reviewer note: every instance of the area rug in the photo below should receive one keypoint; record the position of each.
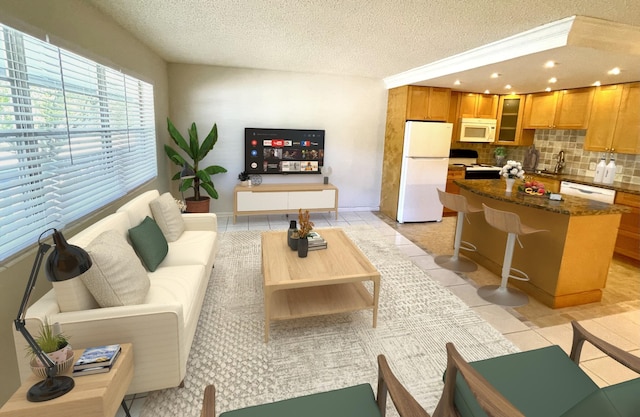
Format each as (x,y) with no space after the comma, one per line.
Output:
(416,317)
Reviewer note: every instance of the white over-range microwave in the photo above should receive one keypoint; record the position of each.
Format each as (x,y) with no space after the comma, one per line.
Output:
(477,130)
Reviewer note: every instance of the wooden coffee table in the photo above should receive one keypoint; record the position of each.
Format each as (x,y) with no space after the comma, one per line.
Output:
(327,281)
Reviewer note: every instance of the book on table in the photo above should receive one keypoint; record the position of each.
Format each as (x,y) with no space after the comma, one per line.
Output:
(316,241)
(97,357)
(91,371)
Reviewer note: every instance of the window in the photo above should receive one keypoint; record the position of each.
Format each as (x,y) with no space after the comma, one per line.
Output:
(74,136)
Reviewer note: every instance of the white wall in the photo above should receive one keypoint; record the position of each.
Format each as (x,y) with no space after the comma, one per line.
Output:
(351,110)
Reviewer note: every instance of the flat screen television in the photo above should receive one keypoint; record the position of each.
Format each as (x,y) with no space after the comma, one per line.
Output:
(283,151)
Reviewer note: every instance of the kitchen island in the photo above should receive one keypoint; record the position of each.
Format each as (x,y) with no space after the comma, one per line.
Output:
(568,263)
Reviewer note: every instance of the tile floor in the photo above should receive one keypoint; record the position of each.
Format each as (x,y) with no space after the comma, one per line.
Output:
(621,329)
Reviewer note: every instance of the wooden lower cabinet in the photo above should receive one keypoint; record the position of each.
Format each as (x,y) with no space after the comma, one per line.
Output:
(628,241)
(454,173)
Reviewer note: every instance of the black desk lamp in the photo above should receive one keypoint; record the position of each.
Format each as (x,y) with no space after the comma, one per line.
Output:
(65,262)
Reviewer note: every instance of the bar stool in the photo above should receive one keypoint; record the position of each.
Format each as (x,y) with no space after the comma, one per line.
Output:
(510,223)
(453,262)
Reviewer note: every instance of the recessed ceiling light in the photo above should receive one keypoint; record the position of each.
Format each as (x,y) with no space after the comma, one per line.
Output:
(457,82)
(495,75)
(596,84)
(487,92)
(553,80)
(547,89)
(614,71)
(507,87)
(549,64)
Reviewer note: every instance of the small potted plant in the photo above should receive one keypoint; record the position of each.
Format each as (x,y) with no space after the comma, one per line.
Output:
(56,345)
(500,154)
(304,227)
(245,179)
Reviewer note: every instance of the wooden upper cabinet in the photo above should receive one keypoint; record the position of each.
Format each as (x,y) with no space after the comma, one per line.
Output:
(539,111)
(428,103)
(483,106)
(566,109)
(509,129)
(626,138)
(573,108)
(614,124)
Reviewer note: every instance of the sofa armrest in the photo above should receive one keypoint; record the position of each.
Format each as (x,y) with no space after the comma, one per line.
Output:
(200,221)
(580,334)
(156,332)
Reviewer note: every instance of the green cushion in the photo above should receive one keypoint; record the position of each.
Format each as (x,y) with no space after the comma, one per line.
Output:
(149,243)
(357,401)
(540,383)
(625,397)
(595,405)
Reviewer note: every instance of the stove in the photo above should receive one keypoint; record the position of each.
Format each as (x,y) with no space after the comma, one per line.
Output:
(473,170)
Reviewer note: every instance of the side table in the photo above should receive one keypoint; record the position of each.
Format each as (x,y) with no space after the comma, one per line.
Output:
(97,395)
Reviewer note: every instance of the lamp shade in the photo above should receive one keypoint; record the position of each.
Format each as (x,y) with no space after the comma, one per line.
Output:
(66,261)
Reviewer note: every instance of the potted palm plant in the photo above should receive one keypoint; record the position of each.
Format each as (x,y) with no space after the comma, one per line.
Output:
(192,175)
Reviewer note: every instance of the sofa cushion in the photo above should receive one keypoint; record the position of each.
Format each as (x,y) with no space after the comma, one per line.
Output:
(138,208)
(565,383)
(73,295)
(177,285)
(149,243)
(117,276)
(195,247)
(625,397)
(356,401)
(167,214)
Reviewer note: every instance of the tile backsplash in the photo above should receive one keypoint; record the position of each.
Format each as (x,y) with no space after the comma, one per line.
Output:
(577,160)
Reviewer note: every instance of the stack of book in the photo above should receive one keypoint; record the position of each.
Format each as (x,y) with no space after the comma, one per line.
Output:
(316,241)
(95,360)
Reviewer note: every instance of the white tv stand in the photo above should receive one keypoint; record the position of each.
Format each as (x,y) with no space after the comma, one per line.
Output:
(284,198)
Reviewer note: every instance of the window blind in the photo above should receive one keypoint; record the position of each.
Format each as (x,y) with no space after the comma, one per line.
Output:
(74,136)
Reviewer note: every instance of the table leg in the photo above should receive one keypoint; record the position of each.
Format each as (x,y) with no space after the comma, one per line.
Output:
(267,313)
(125,408)
(376,297)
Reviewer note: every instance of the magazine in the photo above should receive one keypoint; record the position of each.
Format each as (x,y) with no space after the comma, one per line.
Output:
(99,356)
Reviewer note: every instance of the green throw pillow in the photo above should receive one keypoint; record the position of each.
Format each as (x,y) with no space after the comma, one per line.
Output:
(149,243)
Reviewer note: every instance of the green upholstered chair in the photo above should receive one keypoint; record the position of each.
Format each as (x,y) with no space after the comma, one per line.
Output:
(538,383)
(356,401)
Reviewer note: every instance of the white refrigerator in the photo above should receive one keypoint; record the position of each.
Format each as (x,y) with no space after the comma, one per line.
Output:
(425,161)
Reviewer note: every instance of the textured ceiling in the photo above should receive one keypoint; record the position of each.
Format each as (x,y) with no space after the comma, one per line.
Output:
(370,38)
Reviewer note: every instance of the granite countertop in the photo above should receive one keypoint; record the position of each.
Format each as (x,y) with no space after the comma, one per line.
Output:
(617,186)
(574,206)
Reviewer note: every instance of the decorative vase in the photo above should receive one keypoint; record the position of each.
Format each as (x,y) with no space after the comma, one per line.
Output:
(303,247)
(197,206)
(291,241)
(510,183)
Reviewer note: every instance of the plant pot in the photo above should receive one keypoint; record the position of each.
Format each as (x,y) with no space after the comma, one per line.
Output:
(63,359)
(197,206)
(303,247)
(246,183)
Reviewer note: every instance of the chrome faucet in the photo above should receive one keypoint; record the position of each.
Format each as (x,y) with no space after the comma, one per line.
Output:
(559,163)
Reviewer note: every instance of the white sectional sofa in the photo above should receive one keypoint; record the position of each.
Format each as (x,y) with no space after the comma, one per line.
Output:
(161,324)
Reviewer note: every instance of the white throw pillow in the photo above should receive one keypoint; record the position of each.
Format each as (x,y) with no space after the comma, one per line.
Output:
(167,214)
(117,277)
